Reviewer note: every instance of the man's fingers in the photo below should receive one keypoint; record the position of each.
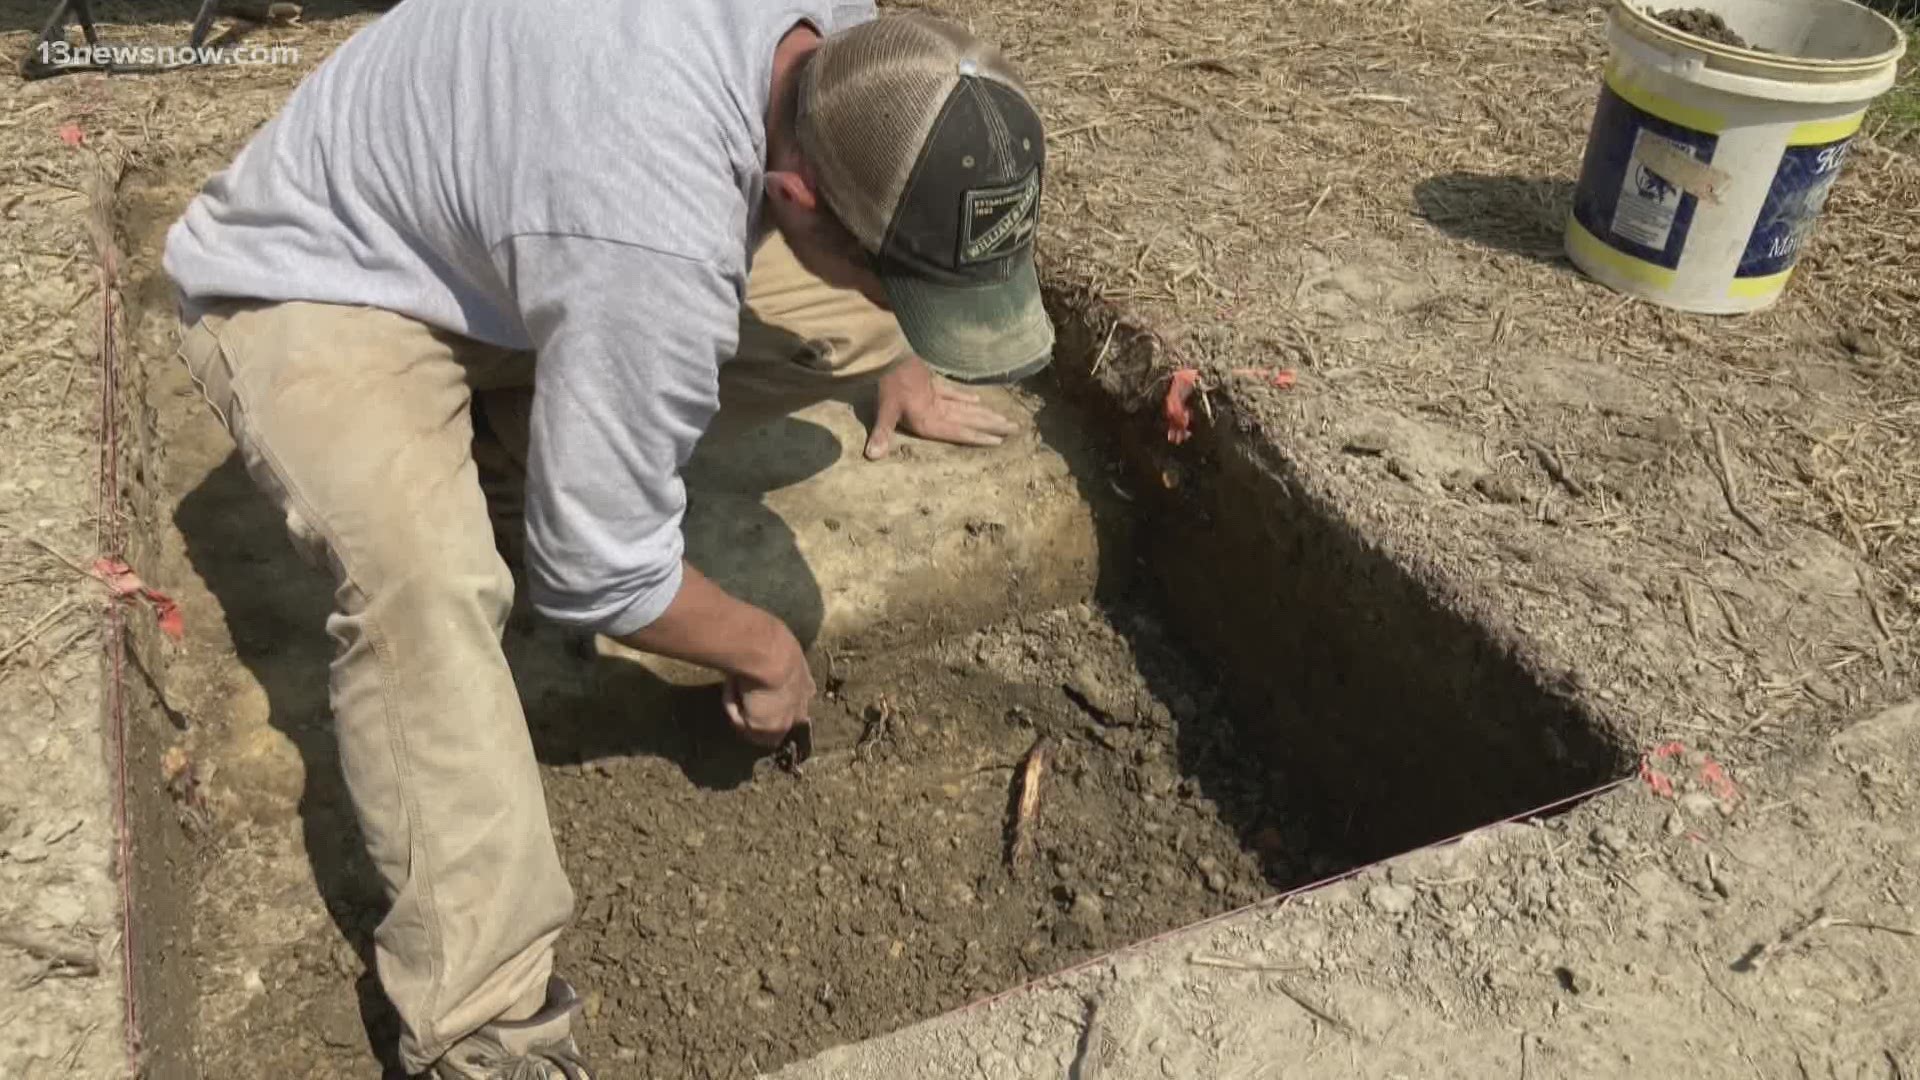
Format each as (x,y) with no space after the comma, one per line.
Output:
(979,416)
(953,393)
(950,429)
(880,439)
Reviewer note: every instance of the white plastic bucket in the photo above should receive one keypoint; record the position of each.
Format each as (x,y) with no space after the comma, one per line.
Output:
(1707,165)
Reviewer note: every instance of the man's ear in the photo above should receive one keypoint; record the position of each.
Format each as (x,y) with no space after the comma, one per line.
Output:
(794,189)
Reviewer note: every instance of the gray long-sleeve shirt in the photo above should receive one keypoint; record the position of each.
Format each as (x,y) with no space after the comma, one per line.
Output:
(577,177)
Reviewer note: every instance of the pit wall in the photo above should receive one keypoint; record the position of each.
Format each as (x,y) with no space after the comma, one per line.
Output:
(1404,716)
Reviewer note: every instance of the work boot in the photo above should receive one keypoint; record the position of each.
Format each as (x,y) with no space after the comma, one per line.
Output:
(541,1047)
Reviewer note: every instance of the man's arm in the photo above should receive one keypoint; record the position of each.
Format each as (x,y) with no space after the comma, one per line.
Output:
(769,688)
(630,341)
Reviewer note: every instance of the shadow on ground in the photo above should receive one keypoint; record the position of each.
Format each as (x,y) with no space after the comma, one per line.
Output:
(1381,715)
(1525,215)
(579,708)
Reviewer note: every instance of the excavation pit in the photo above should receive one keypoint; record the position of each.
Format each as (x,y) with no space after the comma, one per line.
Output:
(1236,693)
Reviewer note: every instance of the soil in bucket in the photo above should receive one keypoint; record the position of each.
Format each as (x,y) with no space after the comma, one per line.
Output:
(1703,23)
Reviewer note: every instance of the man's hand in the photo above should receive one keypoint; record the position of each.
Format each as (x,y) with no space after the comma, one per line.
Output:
(768,686)
(763,707)
(926,406)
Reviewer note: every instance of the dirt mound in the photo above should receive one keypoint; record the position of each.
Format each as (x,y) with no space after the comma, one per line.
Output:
(1704,24)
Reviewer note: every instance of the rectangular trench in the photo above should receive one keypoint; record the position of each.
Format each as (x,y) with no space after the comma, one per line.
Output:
(1249,696)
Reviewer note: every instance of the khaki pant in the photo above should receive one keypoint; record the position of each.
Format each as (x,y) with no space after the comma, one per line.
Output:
(358,424)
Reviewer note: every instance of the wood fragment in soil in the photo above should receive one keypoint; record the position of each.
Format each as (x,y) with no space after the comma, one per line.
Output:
(1026,805)
(1551,462)
(1757,957)
(1317,1012)
(61,960)
(1723,472)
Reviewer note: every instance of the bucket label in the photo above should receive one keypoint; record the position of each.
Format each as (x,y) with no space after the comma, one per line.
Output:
(1794,202)
(1637,190)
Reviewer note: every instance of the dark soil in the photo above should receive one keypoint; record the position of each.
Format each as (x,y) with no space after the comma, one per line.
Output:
(725,929)
(1703,23)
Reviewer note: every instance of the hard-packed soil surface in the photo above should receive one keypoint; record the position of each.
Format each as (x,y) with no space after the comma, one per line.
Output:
(1702,23)
(730,923)
(61,920)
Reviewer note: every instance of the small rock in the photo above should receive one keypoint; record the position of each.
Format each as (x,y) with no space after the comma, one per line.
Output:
(1087,911)
(1612,837)
(340,1024)
(1391,899)
(591,1007)
(1217,882)
(1572,981)
(1206,864)
(1676,823)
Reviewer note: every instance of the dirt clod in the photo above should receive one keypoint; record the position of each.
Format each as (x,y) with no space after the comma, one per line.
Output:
(1391,899)
(1089,689)
(1612,838)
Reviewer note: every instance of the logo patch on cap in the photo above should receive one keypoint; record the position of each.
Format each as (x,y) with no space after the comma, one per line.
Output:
(996,222)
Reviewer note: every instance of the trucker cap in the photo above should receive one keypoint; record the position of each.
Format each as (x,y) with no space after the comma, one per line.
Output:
(925,146)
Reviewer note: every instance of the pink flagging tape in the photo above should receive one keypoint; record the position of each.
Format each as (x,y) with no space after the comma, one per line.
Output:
(1281,898)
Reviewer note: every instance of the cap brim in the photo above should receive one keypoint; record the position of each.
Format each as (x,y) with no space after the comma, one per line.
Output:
(997,333)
